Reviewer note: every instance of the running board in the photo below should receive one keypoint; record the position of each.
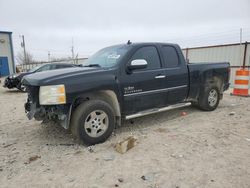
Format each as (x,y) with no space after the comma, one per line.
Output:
(153,111)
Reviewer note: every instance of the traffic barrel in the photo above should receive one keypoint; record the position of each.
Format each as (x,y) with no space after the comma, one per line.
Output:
(241,83)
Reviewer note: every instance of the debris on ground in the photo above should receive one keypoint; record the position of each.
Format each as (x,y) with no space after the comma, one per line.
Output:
(71,180)
(33,158)
(108,157)
(120,180)
(177,156)
(232,113)
(91,149)
(161,130)
(5,146)
(183,113)
(148,177)
(248,139)
(126,144)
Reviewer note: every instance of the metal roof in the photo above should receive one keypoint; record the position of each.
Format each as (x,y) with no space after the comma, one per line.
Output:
(219,45)
(6,32)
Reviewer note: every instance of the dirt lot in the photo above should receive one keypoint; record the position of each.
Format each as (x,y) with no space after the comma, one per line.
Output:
(201,149)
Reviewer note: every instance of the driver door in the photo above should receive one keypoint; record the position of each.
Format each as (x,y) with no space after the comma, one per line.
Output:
(144,88)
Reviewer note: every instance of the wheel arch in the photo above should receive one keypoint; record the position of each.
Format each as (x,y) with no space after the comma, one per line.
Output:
(214,80)
(108,96)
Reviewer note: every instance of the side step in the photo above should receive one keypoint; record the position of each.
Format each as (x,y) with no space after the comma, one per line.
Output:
(153,111)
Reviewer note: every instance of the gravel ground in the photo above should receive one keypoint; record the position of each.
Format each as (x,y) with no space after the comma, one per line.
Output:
(200,149)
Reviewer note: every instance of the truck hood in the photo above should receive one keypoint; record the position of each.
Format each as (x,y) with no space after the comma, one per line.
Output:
(58,76)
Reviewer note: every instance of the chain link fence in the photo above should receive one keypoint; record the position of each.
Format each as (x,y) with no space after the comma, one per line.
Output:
(27,67)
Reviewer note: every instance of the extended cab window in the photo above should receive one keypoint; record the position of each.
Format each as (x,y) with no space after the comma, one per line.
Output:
(150,54)
(170,55)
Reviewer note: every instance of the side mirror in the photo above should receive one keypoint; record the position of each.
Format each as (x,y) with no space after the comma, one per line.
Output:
(137,64)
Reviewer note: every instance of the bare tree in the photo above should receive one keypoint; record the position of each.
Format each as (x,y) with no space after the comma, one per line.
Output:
(24,60)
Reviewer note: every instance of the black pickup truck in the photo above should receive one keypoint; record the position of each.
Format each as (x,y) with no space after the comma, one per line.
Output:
(123,82)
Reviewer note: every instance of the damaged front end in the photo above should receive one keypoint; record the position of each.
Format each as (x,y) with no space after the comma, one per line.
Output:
(57,113)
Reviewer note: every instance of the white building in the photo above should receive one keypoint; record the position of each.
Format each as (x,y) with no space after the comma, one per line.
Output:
(7,64)
(238,55)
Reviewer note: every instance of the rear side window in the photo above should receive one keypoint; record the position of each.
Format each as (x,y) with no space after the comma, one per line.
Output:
(170,55)
(150,54)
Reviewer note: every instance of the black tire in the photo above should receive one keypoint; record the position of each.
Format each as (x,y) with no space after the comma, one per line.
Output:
(204,103)
(80,115)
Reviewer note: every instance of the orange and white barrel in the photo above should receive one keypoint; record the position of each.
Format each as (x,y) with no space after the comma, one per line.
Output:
(241,83)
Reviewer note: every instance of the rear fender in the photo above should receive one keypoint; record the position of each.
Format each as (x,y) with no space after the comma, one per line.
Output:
(215,81)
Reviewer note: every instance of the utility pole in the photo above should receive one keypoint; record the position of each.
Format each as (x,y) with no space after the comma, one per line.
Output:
(72,51)
(24,49)
(48,56)
(240,35)
(241,49)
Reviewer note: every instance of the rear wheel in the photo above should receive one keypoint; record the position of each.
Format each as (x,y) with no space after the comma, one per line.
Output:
(93,122)
(209,99)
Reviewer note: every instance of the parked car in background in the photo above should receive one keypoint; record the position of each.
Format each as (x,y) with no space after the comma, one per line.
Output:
(123,82)
(14,81)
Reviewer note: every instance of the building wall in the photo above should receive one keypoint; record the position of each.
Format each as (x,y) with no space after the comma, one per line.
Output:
(247,61)
(234,54)
(6,49)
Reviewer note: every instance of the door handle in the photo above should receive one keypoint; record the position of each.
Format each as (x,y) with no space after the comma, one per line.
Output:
(160,76)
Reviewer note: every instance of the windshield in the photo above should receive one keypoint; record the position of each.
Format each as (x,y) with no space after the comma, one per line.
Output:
(35,68)
(107,57)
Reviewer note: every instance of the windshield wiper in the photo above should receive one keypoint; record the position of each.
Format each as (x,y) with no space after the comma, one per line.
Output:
(92,65)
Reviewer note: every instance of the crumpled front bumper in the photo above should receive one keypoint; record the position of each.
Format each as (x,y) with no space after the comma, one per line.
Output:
(57,113)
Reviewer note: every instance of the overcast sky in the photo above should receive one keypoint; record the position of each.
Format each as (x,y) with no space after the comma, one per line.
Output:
(50,25)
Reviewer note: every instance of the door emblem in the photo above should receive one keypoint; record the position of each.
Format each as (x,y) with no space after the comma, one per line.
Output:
(131,89)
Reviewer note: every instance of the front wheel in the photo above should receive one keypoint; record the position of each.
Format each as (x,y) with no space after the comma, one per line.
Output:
(93,122)
(209,99)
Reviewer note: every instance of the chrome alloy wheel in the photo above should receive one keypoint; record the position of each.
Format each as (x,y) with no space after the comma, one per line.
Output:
(96,123)
(212,97)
